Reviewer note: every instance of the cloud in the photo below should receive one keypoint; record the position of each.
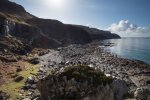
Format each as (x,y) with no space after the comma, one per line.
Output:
(126,29)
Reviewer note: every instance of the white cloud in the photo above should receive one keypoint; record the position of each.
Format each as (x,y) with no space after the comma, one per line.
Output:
(126,29)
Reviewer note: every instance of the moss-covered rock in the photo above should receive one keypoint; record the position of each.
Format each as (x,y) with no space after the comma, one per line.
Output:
(75,82)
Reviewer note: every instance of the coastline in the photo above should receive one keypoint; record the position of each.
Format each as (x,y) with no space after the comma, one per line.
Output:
(135,73)
(130,48)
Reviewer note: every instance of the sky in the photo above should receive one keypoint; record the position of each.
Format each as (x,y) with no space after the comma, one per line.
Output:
(128,18)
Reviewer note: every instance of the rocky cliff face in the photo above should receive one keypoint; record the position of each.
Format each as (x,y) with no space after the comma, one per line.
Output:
(65,34)
(97,34)
(6,27)
(45,33)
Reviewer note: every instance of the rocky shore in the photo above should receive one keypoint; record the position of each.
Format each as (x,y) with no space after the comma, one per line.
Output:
(135,74)
(131,78)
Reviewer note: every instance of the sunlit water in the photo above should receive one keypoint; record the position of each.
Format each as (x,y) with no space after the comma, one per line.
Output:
(132,48)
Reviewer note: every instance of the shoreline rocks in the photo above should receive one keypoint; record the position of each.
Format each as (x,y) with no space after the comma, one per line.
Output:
(142,93)
(134,73)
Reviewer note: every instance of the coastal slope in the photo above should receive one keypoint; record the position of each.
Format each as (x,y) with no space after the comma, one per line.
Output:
(45,33)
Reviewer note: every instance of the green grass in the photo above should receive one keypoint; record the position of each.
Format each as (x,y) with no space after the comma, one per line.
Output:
(13,88)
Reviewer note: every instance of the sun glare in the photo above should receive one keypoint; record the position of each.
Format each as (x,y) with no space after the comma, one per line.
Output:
(55,3)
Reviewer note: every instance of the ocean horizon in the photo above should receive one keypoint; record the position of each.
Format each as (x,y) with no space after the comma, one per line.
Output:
(136,48)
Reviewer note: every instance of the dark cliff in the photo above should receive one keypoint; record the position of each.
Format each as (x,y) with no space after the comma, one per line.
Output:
(97,34)
(46,33)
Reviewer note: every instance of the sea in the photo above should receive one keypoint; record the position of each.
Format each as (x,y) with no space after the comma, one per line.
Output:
(131,48)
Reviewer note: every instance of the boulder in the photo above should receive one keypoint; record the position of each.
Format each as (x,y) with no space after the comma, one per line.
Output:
(142,93)
(42,70)
(30,80)
(79,82)
(34,61)
(18,69)
(18,78)
(27,87)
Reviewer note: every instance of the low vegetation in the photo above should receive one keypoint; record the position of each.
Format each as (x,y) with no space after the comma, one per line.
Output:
(73,83)
(13,88)
(85,73)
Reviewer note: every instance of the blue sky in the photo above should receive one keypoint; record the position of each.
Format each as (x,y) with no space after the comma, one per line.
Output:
(120,16)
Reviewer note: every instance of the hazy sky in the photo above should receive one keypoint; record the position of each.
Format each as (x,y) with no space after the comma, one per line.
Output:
(125,17)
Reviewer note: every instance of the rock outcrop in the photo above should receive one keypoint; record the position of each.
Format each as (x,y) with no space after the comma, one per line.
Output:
(81,83)
(142,93)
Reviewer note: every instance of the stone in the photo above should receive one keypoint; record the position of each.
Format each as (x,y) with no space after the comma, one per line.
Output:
(29,93)
(18,78)
(37,98)
(67,62)
(42,70)
(108,75)
(30,80)
(142,93)
(34,61)
(62,63)
(27,99)
(18,69)
(91,65)
(26,87)
(33,86)
(79,62)
(148,82)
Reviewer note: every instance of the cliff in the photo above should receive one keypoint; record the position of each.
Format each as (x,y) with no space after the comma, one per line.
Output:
(46,33)
(97,34)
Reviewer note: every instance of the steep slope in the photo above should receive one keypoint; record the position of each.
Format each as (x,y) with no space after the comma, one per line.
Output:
(97,34)
(62,33)
(13,9)
(45,33)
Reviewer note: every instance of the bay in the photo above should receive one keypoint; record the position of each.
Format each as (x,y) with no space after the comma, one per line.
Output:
(131,48)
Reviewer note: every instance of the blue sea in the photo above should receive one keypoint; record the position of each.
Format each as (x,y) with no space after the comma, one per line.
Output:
(131,48)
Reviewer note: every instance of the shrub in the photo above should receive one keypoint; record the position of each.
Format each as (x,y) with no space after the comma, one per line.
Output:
(85,73)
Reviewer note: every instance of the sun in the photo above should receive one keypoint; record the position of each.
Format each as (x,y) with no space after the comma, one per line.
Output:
(55,3)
